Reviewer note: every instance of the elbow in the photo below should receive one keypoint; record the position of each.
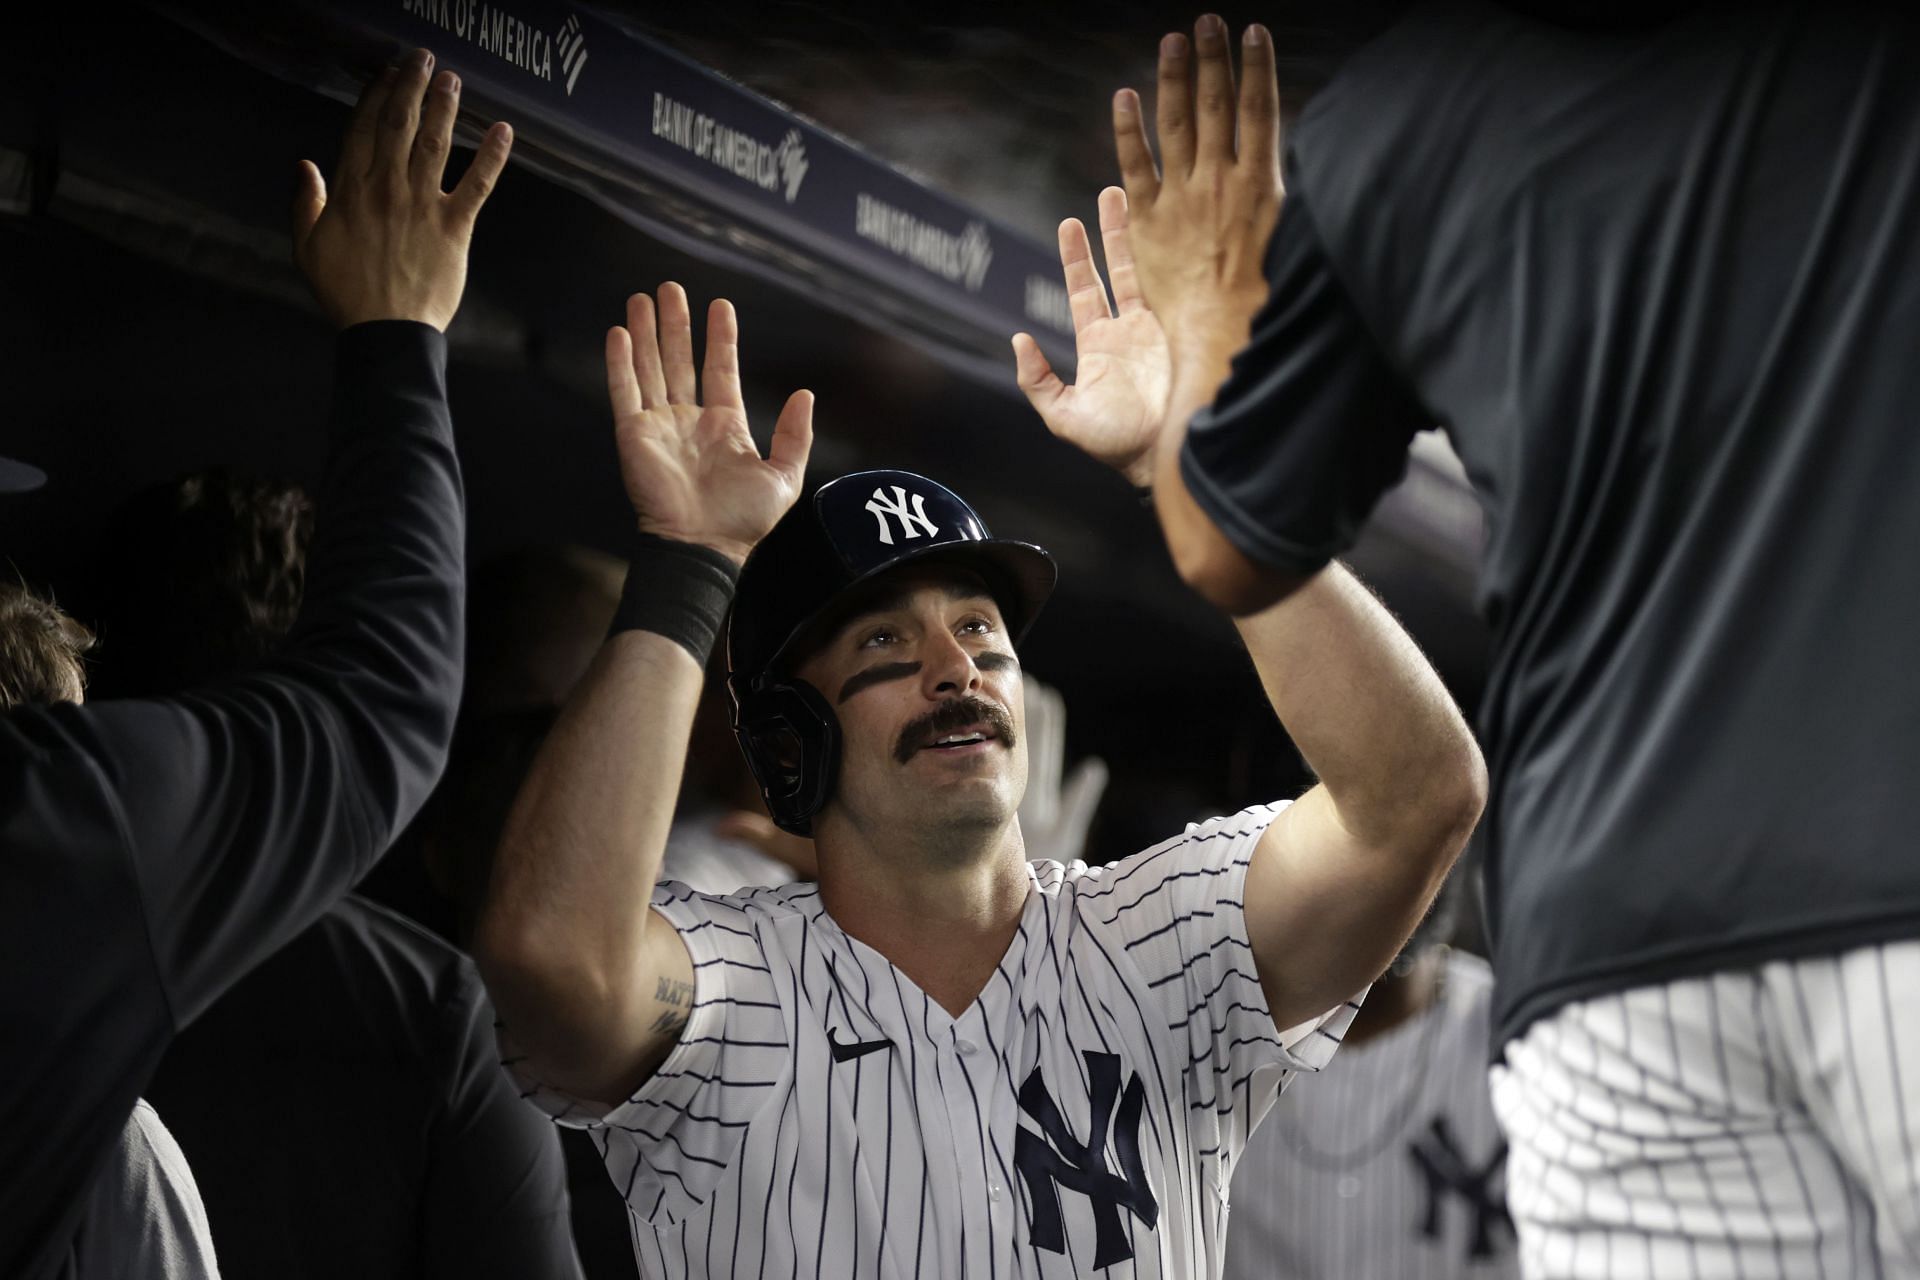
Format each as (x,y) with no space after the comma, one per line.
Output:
(1451,804)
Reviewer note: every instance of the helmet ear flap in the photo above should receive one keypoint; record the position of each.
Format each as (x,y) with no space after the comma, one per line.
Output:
(791,739)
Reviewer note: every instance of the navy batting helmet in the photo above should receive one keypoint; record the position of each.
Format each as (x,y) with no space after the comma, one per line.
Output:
(848,532)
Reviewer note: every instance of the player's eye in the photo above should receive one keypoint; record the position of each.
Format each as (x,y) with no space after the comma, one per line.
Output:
(977,626)
(877,638)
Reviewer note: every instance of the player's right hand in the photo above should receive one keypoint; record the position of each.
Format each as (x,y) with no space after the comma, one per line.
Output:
(1118,399)
(386,243)
(692,470)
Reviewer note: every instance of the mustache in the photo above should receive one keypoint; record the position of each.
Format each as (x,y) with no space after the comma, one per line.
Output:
(948,716)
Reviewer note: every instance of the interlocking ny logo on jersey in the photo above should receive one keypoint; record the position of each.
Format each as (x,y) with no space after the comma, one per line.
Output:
(1445,1170)
(882,507)
(1061,1160)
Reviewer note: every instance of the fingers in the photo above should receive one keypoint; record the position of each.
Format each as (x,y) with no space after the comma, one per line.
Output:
(1115,243)
(1130,144)
(1259,101)
(1173,107)
(720,375)
(1213,98)
(481,175)
(1085,294)
(793,438)
(1079,801)
(309,198)
(356,148)
(623,388)
(1034,374)
(431,145)
(400,118)
(644,364)
(676,344)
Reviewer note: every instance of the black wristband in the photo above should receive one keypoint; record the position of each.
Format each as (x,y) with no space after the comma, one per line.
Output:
(677,590)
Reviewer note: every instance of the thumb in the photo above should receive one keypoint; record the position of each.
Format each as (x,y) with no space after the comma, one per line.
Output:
(309,199)
(1035,374)
(793,436)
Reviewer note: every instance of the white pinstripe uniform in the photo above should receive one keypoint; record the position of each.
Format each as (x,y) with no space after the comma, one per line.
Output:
(1754,1124)
(1390,1163)
(821,1116)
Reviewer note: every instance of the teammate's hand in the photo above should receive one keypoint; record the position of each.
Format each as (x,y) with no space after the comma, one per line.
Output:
(1201,222)
(692,471)
(1115,406)
(1057,810)
(386,243)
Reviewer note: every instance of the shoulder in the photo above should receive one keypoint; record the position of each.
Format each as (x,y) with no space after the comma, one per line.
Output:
(1204,849)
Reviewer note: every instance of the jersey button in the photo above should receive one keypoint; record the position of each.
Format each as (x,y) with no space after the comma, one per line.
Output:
(993,1191)
(967,1046)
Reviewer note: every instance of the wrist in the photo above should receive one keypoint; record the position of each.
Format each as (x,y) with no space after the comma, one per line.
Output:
(677,589)
(733,551)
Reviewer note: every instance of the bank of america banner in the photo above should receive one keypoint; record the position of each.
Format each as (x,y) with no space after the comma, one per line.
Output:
(694,158)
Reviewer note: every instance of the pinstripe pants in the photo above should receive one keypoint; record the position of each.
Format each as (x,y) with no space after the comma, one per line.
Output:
(1750,1124)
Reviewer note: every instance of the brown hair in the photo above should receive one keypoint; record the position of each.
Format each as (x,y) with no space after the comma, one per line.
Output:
(40,650)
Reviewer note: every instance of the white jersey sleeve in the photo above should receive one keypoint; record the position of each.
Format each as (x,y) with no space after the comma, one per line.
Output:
(666,1146)
(1178,912)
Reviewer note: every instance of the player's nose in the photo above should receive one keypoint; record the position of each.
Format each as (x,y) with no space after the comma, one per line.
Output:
(946,668)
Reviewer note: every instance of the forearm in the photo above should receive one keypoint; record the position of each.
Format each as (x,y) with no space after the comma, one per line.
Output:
(562,936)
(1369,715)
(1206,560)
(381,632)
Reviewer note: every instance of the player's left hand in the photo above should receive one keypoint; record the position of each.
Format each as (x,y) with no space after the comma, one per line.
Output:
(1201,220)
(1118,398)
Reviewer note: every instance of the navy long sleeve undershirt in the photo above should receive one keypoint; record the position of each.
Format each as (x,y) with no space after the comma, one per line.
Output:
(153,851)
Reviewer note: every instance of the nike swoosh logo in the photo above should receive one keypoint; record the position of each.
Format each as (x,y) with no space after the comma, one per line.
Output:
(845,1052)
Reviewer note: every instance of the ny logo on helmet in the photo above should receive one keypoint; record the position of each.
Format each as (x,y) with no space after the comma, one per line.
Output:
(882,507)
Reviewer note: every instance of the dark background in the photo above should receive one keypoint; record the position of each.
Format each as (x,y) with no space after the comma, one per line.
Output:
(152,324)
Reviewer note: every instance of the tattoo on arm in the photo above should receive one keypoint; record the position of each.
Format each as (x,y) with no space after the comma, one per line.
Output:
(677,996)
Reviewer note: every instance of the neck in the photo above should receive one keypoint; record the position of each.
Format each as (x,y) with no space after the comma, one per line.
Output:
(943,920)
(1394,999)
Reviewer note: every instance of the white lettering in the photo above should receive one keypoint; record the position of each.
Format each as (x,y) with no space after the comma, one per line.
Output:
(881,508)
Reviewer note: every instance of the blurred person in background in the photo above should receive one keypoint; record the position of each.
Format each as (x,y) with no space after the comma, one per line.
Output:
(159,849)
(415,1156)
(1654,270)
(144,1215)
(1389,1163)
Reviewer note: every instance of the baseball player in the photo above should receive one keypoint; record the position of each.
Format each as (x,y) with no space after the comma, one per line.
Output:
(939,1060)
(1656,274)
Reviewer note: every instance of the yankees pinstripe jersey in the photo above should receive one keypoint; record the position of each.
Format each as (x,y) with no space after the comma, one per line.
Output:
(822,1116)
(1388,1165)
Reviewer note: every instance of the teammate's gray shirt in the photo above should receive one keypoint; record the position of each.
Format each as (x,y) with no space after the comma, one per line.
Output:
(822,1116)
(1390,1163)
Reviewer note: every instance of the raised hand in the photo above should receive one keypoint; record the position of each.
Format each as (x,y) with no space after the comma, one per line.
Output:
(387,243)
(1057,810)
(692,471)
(1201,221)
(1118,399)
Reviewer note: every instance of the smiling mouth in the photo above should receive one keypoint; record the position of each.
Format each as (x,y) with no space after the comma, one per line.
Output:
(961,738)
(959,728)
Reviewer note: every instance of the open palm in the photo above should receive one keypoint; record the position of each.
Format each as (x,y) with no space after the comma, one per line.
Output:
(1114,408)
(691,469)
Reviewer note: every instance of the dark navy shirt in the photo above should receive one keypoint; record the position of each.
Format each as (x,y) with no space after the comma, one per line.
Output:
(152,851)
(1661,285)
